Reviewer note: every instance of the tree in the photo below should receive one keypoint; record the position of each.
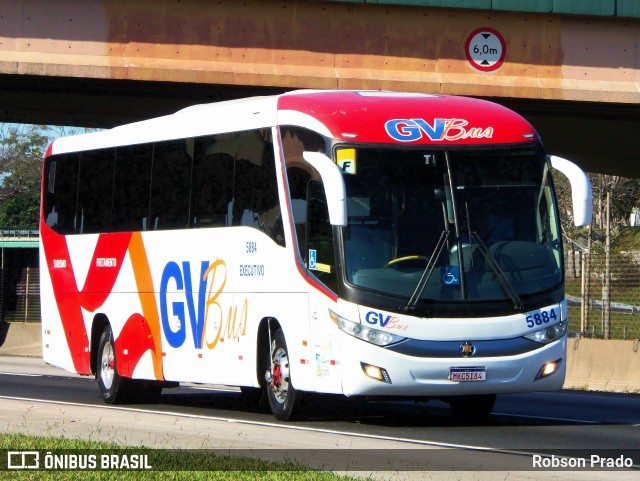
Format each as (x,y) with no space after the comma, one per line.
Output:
(614,198)
(625,194)
(22,148)
(21,151)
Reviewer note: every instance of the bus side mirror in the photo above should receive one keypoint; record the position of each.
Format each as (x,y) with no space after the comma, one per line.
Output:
(581,195)
(333,186)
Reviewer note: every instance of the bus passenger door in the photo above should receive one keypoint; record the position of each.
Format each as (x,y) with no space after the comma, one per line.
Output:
(321,264)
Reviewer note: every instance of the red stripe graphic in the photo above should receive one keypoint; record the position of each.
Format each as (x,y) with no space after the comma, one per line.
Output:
(137,335)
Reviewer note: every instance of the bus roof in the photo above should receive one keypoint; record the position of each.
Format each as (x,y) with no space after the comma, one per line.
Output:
(395,117)
(357,116)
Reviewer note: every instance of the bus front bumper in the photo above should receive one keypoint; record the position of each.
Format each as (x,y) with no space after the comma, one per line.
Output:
(369,370)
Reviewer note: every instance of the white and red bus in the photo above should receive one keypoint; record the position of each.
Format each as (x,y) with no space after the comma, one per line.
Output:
(359,243)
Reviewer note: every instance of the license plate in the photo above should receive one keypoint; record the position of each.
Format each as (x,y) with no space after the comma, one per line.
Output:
(467,374)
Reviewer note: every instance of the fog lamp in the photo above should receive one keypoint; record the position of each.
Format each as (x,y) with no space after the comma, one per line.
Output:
(548,369)
(375,372)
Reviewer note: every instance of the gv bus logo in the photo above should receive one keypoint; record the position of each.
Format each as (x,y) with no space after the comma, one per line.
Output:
(410,130)
(373,317)
(201,305)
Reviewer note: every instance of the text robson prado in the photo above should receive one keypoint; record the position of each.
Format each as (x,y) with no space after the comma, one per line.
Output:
(594,462)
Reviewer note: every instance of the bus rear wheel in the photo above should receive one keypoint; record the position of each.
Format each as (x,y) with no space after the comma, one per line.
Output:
(116,389)
(283,397)
(112,385)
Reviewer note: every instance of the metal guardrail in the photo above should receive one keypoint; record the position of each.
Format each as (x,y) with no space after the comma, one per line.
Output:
(597,304)
(15,232)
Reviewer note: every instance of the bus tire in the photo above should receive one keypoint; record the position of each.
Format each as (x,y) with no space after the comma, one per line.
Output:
(112,385)
(283,397)
(472,408)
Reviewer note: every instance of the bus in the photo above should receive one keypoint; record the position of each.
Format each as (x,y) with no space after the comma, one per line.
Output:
(364,243)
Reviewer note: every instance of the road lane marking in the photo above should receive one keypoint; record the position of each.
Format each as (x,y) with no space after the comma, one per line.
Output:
(20,374)
(545,418)
(213,388)
(418,442)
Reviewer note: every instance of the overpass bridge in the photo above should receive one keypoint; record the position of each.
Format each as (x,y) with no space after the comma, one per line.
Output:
(573,71)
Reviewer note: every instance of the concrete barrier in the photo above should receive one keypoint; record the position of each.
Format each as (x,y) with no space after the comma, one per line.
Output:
(592,364)
(21,339)
(600,365)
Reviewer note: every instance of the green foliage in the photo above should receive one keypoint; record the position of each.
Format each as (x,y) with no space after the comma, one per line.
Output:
(22,149)
(626,240)
(21,152)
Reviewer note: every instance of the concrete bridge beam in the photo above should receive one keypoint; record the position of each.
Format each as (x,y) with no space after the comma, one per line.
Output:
(314,44)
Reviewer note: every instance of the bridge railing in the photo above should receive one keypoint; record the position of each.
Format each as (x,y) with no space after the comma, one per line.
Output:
(8,232)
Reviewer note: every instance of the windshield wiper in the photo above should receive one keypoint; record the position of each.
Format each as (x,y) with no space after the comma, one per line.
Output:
(428,270)
(444,237)
(502,278)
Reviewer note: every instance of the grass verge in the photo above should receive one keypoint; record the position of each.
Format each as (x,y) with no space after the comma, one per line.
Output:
(200,465)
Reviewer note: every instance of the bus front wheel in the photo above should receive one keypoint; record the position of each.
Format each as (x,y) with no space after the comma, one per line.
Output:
(283,397)
(112,385)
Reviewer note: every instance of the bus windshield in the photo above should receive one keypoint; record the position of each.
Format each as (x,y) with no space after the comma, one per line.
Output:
(451,226)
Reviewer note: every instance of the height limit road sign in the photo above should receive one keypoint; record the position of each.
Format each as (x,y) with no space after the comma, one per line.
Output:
(485,49)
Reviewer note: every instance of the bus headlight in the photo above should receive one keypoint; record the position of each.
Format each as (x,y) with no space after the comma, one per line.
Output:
(355,329)
(549,334)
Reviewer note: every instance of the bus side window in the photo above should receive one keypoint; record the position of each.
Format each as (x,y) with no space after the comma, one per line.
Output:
(131,193)
(170,185)
(212,180)
(298,182)
(95,189)
(320,251)
(256,203)
(62,193)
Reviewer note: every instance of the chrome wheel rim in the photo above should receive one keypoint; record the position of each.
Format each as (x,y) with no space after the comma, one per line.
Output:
(280,376)
(107,366)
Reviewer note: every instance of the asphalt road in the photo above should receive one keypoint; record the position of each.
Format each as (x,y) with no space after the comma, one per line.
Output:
(566,423)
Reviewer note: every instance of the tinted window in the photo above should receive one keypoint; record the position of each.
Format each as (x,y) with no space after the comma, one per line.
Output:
(170,184)
(61,193)
(320,237)
(95,191)
(131,193)
(221,180)
(256,202)
(212,180)
(295,141)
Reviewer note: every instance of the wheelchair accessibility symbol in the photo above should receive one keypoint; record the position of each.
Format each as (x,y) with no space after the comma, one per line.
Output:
(450,275)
